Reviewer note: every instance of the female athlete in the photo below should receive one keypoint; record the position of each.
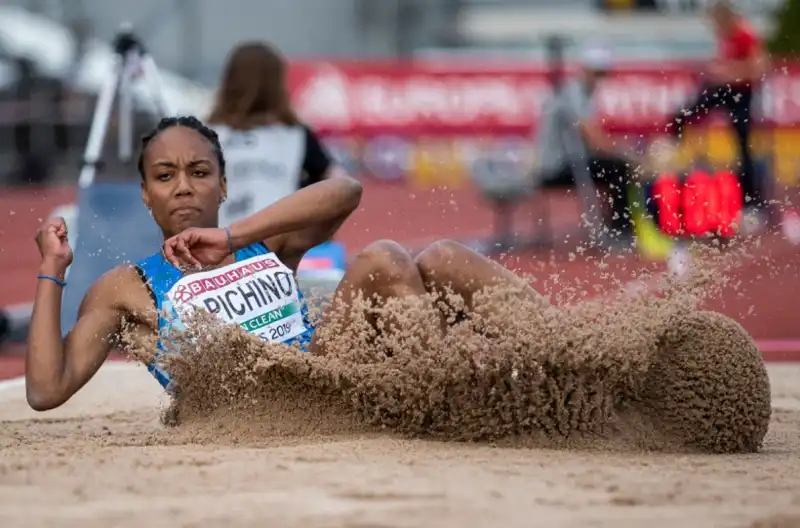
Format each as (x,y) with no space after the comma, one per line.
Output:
(269,152)
(244,273)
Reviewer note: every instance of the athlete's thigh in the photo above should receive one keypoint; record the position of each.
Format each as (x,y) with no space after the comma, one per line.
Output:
(383,269)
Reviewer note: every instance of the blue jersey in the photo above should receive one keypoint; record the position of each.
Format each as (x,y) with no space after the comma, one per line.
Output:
(258,292)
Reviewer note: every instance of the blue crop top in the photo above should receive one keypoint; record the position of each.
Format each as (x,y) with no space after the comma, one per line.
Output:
(257,292)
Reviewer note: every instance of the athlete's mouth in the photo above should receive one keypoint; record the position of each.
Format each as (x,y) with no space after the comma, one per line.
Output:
(185,210)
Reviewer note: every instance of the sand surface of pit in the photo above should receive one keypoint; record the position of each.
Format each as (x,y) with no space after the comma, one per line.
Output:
(102,460)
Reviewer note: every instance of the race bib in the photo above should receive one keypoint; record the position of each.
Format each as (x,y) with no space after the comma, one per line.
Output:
(259,294)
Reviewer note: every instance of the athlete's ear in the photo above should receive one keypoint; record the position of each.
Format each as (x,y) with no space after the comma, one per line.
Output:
(223,183)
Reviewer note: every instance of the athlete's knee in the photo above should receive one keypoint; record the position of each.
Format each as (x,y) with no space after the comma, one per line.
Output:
(439,255)
(385,260)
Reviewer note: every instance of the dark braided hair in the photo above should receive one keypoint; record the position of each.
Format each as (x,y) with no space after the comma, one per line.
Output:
(183,121)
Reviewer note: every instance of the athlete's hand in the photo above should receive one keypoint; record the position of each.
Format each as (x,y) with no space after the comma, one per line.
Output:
(51,238)
(197,247)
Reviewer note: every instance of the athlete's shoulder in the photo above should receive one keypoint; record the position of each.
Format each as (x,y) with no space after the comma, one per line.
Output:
(118,287)
(122,274)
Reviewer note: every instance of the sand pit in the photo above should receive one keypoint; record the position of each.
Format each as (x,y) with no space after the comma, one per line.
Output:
(517,414)
(104,459)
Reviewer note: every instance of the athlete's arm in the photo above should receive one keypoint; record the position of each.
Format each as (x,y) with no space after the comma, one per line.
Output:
(56,368)
(294,224)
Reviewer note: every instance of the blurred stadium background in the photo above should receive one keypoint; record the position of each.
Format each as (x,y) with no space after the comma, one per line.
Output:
(423,100)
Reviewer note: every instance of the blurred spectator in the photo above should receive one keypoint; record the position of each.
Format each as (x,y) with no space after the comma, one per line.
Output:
(738,69)
(572,143)
(270,153)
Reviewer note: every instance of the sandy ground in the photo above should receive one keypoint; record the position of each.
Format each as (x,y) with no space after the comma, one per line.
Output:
(102,461)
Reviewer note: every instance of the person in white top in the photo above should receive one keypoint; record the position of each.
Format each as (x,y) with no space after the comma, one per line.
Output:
(575,148)
(271,154)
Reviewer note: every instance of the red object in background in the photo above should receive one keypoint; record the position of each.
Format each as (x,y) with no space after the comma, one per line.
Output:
(699,205)
(418,98)
(667,195)
(316,263)
(740,44)
(731,202)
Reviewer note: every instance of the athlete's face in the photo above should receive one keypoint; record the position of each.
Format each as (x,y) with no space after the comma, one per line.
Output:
(182,186)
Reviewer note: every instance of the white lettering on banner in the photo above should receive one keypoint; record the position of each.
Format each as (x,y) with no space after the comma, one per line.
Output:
(441,99)
(330,98)
(781,99)
(637,97)
(325,98)
(337,99)
(259,294)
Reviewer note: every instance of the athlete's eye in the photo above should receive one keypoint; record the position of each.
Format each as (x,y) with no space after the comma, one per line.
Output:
(199,173)
(163,177)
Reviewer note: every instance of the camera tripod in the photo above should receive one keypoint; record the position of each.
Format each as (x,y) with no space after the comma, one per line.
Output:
(131,63)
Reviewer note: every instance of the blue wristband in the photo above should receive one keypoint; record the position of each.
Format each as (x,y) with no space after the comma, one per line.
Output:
(230,239)
(57,281)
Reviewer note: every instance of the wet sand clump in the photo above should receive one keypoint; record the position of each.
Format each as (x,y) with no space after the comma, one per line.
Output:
(707,386)
(643,372)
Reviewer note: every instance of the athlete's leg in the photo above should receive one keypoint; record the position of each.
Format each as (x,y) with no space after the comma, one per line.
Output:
(383,269)
(446,264)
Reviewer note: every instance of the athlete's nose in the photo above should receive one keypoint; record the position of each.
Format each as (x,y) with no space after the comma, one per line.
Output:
(183,185)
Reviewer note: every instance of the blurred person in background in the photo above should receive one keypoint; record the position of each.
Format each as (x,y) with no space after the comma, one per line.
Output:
(731,80)
(271,154)
(571,142)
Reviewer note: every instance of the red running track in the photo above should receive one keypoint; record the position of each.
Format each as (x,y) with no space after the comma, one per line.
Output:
(765,298)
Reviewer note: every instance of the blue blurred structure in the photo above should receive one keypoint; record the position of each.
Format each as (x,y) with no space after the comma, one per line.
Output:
(321,270)
(113,227)
(326,256)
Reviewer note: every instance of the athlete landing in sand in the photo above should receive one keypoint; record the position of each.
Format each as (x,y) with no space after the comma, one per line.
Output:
(244,273)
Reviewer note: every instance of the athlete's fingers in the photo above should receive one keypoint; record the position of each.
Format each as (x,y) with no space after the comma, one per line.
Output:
(54,222)
(182,249)
(46,230)
(169,253)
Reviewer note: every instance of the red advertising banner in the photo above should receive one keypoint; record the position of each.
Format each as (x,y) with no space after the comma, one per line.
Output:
(413,98)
